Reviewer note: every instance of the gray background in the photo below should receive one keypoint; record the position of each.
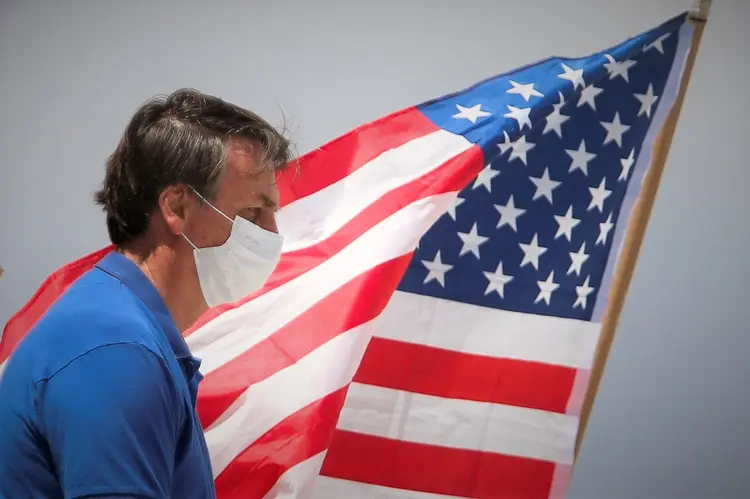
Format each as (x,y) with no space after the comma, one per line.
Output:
(673,413)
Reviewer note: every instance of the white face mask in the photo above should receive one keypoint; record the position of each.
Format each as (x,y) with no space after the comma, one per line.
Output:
(238,267)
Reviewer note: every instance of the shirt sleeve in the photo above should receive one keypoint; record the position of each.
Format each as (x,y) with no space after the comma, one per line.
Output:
(111,420)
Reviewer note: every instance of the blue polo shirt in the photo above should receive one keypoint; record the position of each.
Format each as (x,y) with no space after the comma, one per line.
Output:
(99,399)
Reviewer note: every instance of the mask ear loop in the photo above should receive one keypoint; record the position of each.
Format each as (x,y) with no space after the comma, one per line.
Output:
(189,241)
(211,205)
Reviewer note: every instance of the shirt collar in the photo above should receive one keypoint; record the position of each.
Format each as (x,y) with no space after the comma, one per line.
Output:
(127,272)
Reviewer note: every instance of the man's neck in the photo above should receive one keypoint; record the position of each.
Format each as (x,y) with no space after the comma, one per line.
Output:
(171,275)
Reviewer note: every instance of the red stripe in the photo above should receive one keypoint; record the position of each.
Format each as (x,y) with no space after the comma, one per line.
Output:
(444,373)
(439,470)
(452,175)
(334,161)
(297,438)
(361,299)
(50,290)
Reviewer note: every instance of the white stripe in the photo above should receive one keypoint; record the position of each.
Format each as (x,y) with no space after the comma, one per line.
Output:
(267,403)
(298,482)
(335,488)
(2,367)
(235,331)
(643,163)
(436,322)
(316,217)
(460,424)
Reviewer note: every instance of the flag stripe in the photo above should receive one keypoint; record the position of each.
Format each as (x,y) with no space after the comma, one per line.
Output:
(336,488)
(455,375)
(463,424)
(440,323)
(643,163)
(349,152)
(310,220)
(436,469)
(295,483)
(258,468)
(298,338)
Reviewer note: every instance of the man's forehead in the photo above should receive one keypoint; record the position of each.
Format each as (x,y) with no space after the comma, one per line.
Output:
(244,157)
(250,176)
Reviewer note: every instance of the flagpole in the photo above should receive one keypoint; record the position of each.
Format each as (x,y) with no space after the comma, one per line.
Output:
(624,272)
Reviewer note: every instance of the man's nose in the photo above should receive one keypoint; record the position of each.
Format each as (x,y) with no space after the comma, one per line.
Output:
(267,220)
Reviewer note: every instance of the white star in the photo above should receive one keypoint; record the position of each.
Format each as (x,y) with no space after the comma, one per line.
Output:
(565,224)
(525,91)
(471,241)
(556,119)
(497,281)
(616,69)
(521,115)
(598,195)
(583,292)
(615,129)
(436,270)
(604,228)
(546,288)
(577,259)
(647,101)
(544,186)
(484,179)
(627,165)
(506,144)
(531,252)
(452,209)
(588,96)
(472,113)
(509,214)
(581,158)
(575,76)
(519,148)
(657,44)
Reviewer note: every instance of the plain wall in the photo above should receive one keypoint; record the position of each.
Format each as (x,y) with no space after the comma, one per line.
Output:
(672,419)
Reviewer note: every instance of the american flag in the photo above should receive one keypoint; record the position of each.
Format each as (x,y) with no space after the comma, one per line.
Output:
(432,322)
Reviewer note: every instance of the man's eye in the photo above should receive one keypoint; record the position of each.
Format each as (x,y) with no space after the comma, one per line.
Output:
(251,214)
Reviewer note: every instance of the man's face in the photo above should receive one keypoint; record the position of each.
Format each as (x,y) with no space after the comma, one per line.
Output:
(241,192)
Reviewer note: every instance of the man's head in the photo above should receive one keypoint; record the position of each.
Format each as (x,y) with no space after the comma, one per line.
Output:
(178,152)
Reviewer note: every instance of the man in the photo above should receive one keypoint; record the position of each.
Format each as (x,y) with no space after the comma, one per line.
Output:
(99,399)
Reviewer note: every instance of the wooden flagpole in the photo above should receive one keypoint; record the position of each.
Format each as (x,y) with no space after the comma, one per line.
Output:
(637,228)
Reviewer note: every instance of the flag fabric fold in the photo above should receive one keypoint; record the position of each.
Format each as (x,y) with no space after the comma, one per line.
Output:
(431,324)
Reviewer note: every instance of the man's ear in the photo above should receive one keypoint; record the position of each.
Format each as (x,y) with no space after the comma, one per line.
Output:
(174,206)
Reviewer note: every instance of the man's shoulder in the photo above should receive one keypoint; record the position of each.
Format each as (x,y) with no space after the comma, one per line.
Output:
(96,311)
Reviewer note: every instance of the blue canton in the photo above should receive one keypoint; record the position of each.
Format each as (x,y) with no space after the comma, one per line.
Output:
(560,138)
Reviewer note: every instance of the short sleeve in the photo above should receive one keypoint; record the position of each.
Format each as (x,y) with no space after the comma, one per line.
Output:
(111,420)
